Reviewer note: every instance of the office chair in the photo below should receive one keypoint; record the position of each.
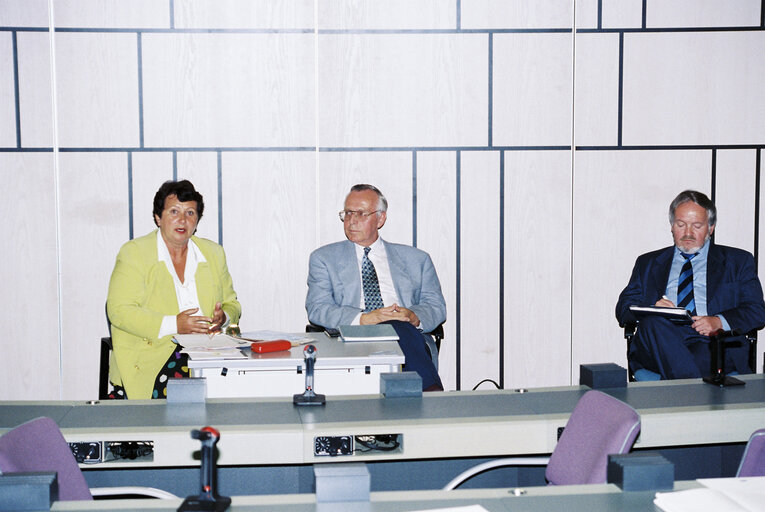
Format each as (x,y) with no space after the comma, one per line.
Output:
(432,339)
(38,445)
(599,425)
(103,362)
(753,460)
(630,330)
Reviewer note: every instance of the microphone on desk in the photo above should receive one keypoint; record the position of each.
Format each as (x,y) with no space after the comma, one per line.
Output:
(309,397)
(208,498)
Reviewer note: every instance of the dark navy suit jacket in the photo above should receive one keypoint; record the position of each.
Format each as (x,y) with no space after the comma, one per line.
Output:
(733,288)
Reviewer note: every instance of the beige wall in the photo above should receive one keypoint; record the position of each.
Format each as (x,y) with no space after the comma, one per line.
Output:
(533,162)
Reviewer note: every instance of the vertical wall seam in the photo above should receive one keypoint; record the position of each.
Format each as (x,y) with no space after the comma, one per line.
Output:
(458,283)
(130,194)
(571,191)
(56,196)
(491,88)
(502,269)
(620,105)
(414,198)
(317,195)
(757,166)
(16,88)
(219,157)
(139,47)
(714,182)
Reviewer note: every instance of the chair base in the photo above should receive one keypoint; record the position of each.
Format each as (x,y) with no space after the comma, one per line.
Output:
(724,381)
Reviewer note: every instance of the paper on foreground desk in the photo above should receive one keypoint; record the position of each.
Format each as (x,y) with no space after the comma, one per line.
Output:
(715,495)
(340,369)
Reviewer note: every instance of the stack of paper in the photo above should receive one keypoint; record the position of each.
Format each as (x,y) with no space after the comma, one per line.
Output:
(728,494)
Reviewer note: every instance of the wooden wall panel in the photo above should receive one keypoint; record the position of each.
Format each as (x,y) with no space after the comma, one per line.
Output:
(621,201)
(735,198)
(479,267)
(269,231)
(30,368)
(437,235)
(537,268)
(93,227)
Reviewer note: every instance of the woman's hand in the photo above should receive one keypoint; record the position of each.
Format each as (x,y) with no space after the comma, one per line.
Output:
(187,323)
(218,318)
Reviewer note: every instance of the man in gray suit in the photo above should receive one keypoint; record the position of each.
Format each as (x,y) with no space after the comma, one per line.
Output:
(399,282)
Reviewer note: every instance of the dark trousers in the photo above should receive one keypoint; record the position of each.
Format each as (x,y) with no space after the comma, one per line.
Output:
(678,351)
(416,355)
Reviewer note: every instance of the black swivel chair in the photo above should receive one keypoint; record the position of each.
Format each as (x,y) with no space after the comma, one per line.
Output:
(630,329)
(103,365)
(432,342)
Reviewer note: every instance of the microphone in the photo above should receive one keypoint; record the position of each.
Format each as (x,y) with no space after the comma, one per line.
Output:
(309,397)
(208,498)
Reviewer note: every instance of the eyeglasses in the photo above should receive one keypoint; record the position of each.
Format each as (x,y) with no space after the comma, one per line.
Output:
(350,214)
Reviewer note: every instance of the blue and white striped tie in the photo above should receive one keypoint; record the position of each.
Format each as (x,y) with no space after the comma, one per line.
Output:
(685,285)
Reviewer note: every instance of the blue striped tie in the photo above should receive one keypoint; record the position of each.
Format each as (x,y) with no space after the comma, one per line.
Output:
(685,285)
(372,298)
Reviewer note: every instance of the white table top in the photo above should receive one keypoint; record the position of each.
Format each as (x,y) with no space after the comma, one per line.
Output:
(330,353)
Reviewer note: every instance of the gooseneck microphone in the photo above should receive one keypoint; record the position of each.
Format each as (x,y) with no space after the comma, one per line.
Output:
(309,396)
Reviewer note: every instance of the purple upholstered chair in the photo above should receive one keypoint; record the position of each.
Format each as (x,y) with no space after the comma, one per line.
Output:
(38,445)
(753,460)
(598,426)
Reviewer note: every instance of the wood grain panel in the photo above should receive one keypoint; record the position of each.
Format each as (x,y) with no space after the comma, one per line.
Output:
(735,195)
(694,88)
(532,89)
(7,94)
(150,170)
(228,90)
(93,227)
(201,169)
(35,90)
(30,366)
(479,267)
(245,14)
(97,89)
(269,227)
(621,200)
(111,14)
(596,94)
(403,90)
(537,268)
(390,15)
(391,172)
(437,235)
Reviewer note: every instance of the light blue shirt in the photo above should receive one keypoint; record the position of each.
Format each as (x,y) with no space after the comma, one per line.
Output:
(699,264)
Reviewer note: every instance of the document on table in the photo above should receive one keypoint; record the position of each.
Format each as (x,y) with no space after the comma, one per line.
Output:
(214,353)
(729,494)
(266,335)
(216,341)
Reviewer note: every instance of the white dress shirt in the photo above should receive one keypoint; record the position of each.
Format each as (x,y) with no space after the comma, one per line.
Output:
(186,291)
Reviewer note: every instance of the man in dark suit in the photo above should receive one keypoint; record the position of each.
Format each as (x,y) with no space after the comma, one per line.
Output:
(717,284)
(366,280)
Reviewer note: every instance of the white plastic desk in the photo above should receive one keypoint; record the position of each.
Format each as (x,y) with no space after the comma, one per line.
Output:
(341,369)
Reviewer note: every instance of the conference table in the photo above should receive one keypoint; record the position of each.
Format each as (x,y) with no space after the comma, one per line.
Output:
(573,498)
(341,368)
(442,432)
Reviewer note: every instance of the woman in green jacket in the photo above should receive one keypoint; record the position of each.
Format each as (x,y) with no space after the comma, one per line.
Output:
(164,283)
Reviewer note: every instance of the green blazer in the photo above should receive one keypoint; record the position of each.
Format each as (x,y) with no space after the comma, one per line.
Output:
(142,293)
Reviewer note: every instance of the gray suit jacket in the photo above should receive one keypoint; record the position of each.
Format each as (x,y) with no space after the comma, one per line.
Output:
(334,284)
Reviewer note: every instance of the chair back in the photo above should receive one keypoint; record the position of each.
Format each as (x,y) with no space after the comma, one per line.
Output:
(753,460)
(38,445)
(600,425)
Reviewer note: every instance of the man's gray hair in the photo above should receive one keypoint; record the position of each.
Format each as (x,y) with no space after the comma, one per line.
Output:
(698,198)
(382,203)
